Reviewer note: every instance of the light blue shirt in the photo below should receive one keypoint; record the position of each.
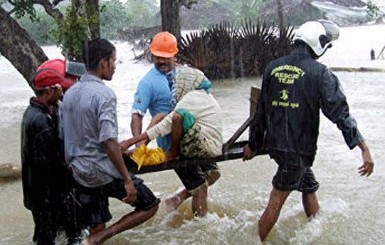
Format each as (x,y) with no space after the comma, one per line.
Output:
(154,94)
(88,117)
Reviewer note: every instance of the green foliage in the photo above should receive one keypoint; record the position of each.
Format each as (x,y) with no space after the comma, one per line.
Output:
(116,15)
(242,9)
(71,33)
(141,12)
(372,9)
(24,8)
(41,29)
(225,50)
(112,17)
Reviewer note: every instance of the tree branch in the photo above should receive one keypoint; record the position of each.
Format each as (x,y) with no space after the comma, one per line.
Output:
(50,8)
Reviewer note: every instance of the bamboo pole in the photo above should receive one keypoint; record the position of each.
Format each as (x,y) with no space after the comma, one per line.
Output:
(357,69)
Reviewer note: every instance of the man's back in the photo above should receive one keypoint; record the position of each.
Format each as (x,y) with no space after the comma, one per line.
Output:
(295,88)
(89,118)
(292,100)
(208,116)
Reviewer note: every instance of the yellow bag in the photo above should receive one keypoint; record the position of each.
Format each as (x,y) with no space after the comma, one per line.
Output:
(144,156)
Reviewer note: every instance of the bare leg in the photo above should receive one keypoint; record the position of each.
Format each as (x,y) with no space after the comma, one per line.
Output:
(176,135)
(172,203)
(272,211)
(178,198)
(310,203)
(128,221)
(199,201)
(98,228)
(212,177)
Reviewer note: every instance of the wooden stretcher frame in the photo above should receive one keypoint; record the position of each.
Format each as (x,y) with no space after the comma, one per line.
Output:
(232,149)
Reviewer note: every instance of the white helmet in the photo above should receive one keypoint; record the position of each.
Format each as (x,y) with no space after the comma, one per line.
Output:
(318,35)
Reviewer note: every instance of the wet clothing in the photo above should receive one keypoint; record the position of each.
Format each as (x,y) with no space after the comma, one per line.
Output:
(193,143)
(294,90)
(207,113)
(186,80)
(46,226)
(44,174)
(294,172)
(41,157)
(154,94)
(202,134)
(89,118)
(95,202)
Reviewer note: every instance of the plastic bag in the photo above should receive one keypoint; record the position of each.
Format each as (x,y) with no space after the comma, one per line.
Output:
(144,156)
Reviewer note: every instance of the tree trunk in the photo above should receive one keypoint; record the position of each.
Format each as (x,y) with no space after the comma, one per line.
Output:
(169,10)
(93,15)
(281,20)
(18,47)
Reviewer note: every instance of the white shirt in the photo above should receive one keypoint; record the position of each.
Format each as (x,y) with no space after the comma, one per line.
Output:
(207,113)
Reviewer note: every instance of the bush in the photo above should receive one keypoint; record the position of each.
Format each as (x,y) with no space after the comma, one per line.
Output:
(224,51)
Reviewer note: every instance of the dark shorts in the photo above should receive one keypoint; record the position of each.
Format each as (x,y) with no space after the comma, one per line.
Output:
(294,173)
(194,176)
(95,203)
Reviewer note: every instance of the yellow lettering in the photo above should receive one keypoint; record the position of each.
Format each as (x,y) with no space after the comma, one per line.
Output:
(286,78)
(283,104)
(298,71)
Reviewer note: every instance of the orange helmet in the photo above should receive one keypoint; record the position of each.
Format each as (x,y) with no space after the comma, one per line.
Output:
(164,44)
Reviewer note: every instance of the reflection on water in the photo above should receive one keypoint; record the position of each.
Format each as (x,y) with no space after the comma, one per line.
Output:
(352,207)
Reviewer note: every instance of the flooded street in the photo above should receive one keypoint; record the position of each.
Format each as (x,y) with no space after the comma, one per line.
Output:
(352,207)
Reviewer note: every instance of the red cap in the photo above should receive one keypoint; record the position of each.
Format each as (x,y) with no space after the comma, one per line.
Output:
(48,77)
(52,72)
(54,64)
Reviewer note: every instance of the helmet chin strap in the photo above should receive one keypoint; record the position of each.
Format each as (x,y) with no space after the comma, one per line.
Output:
(329,45)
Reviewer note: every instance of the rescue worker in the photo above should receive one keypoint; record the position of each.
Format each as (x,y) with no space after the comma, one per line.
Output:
(295,89)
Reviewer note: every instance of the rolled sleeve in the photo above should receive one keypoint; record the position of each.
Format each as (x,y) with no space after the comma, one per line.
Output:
(108,120)
(142,99)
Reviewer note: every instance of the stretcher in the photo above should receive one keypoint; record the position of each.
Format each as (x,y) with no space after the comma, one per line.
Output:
(232,149)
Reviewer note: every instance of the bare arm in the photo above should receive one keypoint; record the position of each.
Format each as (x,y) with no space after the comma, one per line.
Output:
(125,144)
(113,151)
(136,124)
(367,167)
(136,128)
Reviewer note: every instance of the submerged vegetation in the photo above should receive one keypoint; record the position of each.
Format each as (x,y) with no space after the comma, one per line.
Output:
(225,50)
